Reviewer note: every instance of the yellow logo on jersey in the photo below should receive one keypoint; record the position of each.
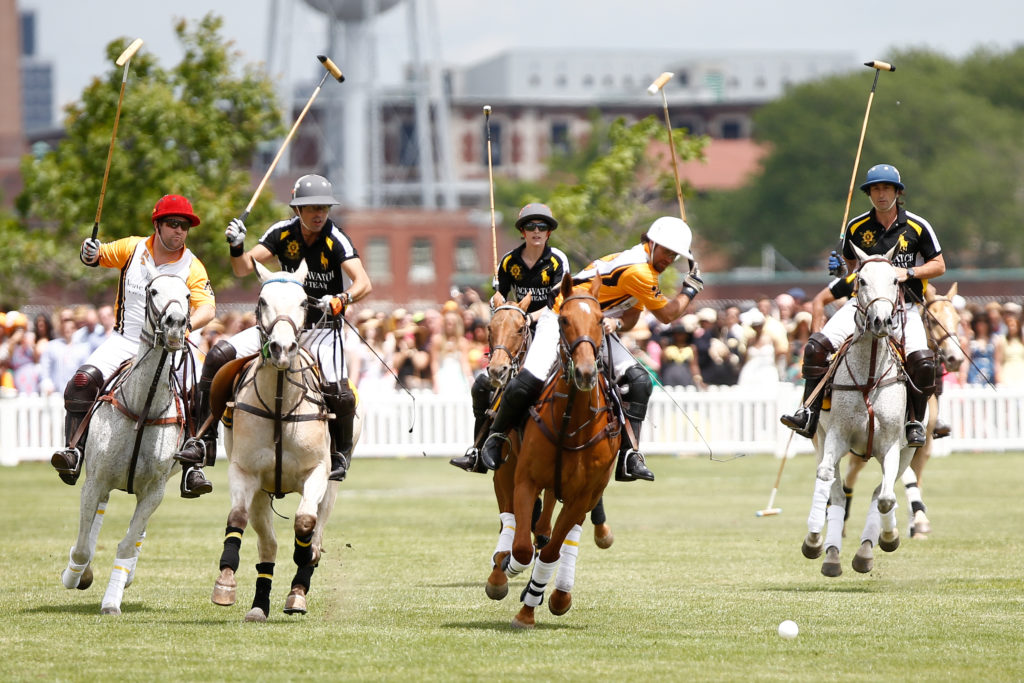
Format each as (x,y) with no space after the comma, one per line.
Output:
(903,243)
(516,272)
(323,260)
(544,277)
(867,238)
(292,249)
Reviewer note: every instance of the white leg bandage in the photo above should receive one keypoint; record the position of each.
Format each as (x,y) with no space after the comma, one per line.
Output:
(834,533)
(72,574)
(118,577)
(566,577)
(514,569)
(542,573)
(816,518)
(872,524)
(889,519)
(97,524)
(508,532)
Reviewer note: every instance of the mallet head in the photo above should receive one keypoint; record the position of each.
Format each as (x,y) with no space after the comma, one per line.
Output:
(129,52)
(881,66)
(332,68)
(659,83)
(487,110)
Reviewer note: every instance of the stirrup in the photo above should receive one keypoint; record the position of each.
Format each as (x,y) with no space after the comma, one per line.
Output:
(60,462)
(339,467)
(470,461)
(490,454)
(915,434)
(803,422)
(200,484)
(624,471)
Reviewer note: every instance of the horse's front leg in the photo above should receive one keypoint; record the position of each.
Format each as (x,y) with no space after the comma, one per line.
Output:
(523,497)
(306,554)
(504,484)
(828,452)
(570,519)
(92,508)
(147,501)
(243,486)
(266,543)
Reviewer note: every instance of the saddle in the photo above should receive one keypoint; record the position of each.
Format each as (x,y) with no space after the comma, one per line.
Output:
(224,384)
(826,386)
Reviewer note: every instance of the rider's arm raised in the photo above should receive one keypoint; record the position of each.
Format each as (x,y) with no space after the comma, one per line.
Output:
(241,265)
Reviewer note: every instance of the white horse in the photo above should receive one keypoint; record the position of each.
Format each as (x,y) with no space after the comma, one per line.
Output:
(134,431)
(278,443)
(867,416)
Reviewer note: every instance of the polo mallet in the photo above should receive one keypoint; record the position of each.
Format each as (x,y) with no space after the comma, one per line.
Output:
(124,60)
(656,86)
(771,509)
(332,70)
(879,67)
(490,181)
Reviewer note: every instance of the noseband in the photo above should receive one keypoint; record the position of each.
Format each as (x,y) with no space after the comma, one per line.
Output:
(568,348)
(266,328)
(525,334)
(861,309)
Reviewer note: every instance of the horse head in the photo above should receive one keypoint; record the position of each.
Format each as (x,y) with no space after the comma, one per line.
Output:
(280,314)
(167,310)
(508,334)
(581,333)
(942,321)
(877,293)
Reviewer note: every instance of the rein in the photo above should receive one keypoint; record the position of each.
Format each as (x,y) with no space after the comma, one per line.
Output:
(516,359)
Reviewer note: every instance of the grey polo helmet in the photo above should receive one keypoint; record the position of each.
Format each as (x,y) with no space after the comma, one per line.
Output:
(313,190)
(535,212)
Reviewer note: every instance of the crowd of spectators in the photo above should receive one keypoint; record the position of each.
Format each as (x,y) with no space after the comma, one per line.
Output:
(441,349)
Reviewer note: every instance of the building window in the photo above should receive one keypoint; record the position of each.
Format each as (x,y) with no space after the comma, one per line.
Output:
(408,148)
(561,81)
(378,260)
(421,267)
(683,78)
(466,260)
(732,130)
(588,81)
(560,137)
(495,144)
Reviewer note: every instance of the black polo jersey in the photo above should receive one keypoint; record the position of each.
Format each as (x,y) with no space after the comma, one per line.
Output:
(541,281)
(323,257)
(912,235)
(842,287)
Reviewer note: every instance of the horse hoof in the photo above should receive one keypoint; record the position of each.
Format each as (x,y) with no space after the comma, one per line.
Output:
(831,567)
(864,560)
(497,585)
(812,546)
(256,614)
(603,536)
(223,595)
(521,624)
(560,602)
(921,527)
(295,603)
(86,579)
(540,540)
(889,541)
(112,610)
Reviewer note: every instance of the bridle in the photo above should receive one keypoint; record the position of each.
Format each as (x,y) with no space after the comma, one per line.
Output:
(932,322)
(155,316)
(266,328)
(525,335)
(861,308)
(567,348)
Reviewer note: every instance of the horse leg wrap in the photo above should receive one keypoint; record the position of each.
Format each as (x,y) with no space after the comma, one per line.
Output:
(264,581)
(508,532)
(533,594)
(303,553)
(597,515)
(72,574)
(819,503)
(512,566)
(303,577)
(566,577)
(848,492)
(888,519)
(123,567)
(232,542)
(834,531)
(872,526)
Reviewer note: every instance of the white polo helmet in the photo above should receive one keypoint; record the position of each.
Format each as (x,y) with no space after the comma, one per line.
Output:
(672,233)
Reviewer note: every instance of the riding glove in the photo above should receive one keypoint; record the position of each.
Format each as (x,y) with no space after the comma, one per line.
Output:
(331,305)
(693,284)
(90,251)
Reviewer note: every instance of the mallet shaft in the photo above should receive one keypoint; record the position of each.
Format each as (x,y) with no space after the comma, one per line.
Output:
(490,182)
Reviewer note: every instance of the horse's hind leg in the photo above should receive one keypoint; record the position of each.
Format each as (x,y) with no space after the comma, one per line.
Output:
(864,560)
(497,582)
(603,536)
(920,526)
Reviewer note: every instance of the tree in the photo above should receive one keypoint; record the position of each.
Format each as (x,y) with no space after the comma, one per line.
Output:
(190,130)
(952,129)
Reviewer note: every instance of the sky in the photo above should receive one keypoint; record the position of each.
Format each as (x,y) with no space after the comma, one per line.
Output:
(72,34)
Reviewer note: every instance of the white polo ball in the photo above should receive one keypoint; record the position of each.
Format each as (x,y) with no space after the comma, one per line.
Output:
(788,629)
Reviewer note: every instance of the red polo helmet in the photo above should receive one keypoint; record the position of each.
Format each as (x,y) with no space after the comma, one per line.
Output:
(175,205)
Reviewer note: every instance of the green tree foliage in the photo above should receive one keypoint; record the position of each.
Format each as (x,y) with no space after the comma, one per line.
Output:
(953,129)
(190,130)
(608,190)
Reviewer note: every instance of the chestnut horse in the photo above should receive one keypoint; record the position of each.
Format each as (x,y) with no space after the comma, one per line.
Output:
(569,448)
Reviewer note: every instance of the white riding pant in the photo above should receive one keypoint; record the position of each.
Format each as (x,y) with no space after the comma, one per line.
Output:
(543,352)
(319,343)
(117,348)
(842,324)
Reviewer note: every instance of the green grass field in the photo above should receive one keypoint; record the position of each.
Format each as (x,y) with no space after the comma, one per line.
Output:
(692,589)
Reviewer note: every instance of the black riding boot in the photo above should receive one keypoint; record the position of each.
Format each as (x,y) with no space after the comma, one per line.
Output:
(631,465)
(481,393)
(521,393)
(201,450)
(79,395)
(341,426)
(921,370)
(815,366)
